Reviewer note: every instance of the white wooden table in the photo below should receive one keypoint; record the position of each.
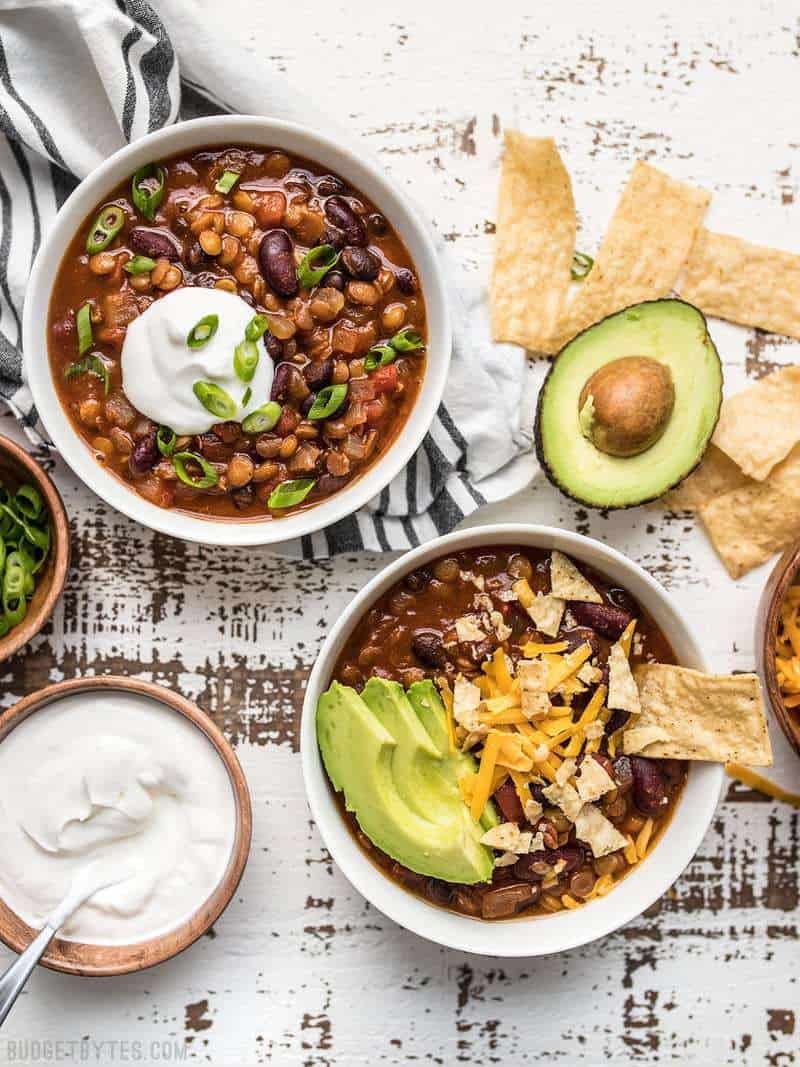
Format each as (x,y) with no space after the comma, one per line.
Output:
(300,969)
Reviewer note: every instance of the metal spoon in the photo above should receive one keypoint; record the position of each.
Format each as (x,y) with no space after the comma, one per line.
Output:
(85,884)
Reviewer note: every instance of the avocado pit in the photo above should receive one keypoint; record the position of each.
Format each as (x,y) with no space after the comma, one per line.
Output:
(626,405)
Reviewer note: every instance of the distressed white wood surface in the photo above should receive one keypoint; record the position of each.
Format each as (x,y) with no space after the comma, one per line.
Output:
(301,969)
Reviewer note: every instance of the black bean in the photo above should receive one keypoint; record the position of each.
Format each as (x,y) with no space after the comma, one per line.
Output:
(621,598)
(334,279)
(196,257)
(318,373)
(360,263)
(157,244)
(649,788)
(274,347)
(417,580)
(243,497)
(377,224)
(145,454)
(276,260)
(428,646)
(205,279)
(280,383)
(329,185)
(406,281)
(345,219)
(607,620)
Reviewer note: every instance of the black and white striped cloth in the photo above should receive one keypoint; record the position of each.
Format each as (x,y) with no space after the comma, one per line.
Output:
(77,80)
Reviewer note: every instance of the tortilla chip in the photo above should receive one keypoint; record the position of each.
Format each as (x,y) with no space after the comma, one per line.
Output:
(644,250)
(564,797)
(758,427)
(717,474)
(705,716)
(547,613)
(467,629)
(749,525)
(535,241)
(598,832)
(567,582)
(533,674)
(623,693)
(593,781)
(750,284)
(565,771)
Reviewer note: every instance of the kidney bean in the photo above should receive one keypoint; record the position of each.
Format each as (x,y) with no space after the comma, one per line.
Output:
(280,383)
(276,260)
(508,900)
(605,618)
(581,635)
(537,865)
(509,803)
(329,185)
(153,243)
(334,237)
(622,774)
(406,281)
(319,373)
(345,219)
(360,263)
(649,788)
(428,646)
(274,347)
(145,454)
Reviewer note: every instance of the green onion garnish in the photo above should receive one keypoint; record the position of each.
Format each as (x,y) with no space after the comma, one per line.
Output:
(83,320)
(208,478)
(407,340)
(105,228)
(245,360)
(227,181)
(202,331)
(263,418)
(147,189)
(29,502)
(328,401)
(89,365)
(379,356)
(165,439)
(315,264)
(24,545)
(247,396)
(256,328)
(581,265)
(287,494)
(140,265)
(214,399)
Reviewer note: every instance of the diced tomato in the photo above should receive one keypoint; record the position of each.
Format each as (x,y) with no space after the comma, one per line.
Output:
(385,379)
(375,411)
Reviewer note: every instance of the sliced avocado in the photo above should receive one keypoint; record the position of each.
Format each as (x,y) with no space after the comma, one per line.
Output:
(629,405)
(396,781)
(425,700)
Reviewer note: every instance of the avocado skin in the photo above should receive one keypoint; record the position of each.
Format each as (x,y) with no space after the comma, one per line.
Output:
(551,475)
(403,792)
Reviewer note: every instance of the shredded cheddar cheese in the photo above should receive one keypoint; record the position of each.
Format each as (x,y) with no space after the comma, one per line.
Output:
(483,783)
(787,647)
(761,784)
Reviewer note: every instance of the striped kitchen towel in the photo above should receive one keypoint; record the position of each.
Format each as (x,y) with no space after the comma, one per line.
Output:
(77,80)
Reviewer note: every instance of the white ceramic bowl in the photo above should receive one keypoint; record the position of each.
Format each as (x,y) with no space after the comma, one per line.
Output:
(540,935)
(186,136)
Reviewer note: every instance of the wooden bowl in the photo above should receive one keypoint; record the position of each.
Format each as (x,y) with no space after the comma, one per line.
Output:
(16,468)
(767,617)
(74,957)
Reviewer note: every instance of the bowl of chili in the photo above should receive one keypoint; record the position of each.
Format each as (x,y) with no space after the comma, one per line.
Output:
(343,302)
(344,660)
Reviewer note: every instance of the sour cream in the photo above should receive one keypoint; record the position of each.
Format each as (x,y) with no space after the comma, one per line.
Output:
(159,369)
(117,783)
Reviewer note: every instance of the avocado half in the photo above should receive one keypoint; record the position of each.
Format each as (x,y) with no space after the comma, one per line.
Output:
(668,439)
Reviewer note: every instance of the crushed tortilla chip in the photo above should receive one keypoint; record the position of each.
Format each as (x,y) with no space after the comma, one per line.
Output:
(466,700)
(760,426)
(746,283)
(536,228)
(567,582)
(507,836)
(533,811)
(644,250)
(533,676)
(716,474)
(589,675)
(564,797)
(622,692)
(593,781)
(749,525)
(565,771)
(704,717)
(506,860)
(467,629)
(597,831)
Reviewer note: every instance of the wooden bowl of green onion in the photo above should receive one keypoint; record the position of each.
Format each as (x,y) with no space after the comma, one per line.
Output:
(34,547)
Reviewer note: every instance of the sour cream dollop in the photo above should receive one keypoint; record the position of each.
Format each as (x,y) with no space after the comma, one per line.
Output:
(159,369)
(115,782)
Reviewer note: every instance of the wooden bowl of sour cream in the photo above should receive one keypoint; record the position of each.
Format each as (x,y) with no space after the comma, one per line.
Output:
(99,959)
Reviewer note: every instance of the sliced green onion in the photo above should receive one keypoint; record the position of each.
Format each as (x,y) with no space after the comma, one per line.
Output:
(89,365)
(247,396)
(227,181)
(24,545)
(315,264)
(105,228)
(208,478)
(581,265)
(214,399)
(29,502)
(407,340)
(263,418)
(379,356)
(202,331)
(328,401)
(256,328)
(140,265)
(245,360)
(287,494)
(165,439)
(147,189)
(83,320)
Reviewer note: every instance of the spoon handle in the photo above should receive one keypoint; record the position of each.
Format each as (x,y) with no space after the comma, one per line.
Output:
(17,975)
